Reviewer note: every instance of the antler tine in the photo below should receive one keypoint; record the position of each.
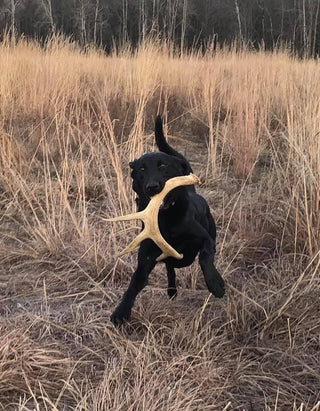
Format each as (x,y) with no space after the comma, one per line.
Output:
(133,216)
(134,244)
(150,218)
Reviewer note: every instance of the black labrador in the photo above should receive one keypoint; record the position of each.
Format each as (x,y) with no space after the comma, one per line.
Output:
(184,221)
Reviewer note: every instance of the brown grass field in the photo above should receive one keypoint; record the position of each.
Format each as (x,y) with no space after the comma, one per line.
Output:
(69,124)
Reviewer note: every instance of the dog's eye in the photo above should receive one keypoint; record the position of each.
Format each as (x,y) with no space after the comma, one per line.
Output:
(142,168)
(162,166)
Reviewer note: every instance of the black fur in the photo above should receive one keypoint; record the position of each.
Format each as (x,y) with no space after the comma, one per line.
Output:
(185,222)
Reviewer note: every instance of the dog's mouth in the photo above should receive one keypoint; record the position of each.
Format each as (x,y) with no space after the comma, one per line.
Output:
(166,203)
(153,189)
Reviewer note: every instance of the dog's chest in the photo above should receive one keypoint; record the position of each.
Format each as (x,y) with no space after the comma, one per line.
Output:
(178,236)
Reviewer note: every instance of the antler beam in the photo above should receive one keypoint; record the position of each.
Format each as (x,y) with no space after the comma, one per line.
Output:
(150,218)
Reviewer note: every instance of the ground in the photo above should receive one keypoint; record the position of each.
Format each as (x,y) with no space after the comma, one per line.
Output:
(65,146)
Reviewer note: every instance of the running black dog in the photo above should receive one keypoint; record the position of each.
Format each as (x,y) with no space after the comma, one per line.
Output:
(184,221)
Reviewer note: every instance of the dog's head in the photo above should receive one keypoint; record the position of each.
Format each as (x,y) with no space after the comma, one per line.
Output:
(151,171)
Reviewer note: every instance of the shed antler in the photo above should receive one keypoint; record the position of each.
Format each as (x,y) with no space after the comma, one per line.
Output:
(150,218)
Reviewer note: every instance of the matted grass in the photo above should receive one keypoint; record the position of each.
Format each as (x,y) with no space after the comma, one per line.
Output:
(69,124)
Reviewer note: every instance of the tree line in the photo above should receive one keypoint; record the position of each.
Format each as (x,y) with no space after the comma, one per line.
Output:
(185,23)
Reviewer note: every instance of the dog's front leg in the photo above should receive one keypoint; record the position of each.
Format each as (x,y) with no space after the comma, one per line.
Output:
(147,256)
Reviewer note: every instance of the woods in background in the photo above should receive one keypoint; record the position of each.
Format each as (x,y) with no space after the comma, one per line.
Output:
(185,23)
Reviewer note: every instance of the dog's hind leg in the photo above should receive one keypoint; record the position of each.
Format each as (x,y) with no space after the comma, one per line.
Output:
(212,230)
(172,290)
(214,281)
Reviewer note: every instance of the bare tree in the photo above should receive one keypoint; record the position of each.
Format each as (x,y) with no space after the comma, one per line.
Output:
(143,21)
(315,28)
(12,10)
(47,6)
(124,21)
(282,21)
(95,26)
(172,18)
(13,17)
(239,19)
(83,35)
(304,33)
(183,24)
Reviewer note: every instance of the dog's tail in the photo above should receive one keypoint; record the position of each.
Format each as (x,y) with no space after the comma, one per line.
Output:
(166,148)
(161,140)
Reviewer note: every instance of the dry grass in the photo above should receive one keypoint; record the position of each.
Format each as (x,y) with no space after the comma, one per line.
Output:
(69,124)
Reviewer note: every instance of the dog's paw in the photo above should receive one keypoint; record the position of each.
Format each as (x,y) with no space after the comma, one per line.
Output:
(172,293)
(120,316)
(216,284)
(219,288)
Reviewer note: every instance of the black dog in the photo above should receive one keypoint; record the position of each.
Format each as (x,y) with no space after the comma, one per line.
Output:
(184,221)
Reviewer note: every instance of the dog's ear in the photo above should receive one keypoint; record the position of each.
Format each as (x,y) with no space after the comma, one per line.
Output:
(185,168)
(133,167)
(135,183)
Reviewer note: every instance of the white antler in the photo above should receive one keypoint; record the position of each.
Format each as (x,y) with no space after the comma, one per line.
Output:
(150,218)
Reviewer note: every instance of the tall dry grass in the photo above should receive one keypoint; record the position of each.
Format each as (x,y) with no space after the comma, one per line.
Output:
(69,123)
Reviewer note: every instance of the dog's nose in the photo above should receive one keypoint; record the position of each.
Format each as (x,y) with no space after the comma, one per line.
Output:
(153,188)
